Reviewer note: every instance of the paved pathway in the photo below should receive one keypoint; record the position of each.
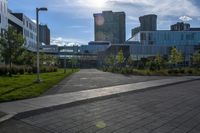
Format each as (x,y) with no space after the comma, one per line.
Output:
(171,109)
(87,79)
(40,103)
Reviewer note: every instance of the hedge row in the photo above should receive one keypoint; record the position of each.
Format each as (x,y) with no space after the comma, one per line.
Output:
(4,70)
(162,72)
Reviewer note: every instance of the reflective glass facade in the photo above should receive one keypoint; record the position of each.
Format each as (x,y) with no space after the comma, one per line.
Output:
(166,37)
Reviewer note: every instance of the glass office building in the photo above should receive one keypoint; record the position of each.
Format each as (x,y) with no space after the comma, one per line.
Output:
(151,43)
(166,37)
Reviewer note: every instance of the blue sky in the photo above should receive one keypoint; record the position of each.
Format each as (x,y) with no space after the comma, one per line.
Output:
(72,20)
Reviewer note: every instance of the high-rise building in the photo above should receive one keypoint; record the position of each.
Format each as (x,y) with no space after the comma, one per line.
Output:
(44,34)
(110,26)
(148,22)
(180,26)
(3,15)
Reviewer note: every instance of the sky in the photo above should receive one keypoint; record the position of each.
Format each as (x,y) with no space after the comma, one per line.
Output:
(71,21)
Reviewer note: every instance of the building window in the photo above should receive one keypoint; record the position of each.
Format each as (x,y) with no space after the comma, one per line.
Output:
(143,36)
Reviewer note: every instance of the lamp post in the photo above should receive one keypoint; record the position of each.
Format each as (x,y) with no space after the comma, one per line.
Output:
(38,80)
(65,60)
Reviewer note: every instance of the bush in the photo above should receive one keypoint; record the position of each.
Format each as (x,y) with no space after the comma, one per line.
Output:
(34,69)
(47,69)
(29,70)
(21,70)
(3,70)
(14,70)
(182,71)
(190,71)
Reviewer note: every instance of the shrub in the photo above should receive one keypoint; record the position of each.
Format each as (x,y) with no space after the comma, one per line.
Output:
(14,70)
(29,70)
(34,69)
(46,69)
(170,71)
(182,71)
(3,70)
(21,70)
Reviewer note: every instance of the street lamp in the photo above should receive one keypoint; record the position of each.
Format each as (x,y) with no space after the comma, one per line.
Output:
(65,60)
(38,80)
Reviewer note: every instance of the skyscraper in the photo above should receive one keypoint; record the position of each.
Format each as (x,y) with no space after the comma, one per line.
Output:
(148,22)
(110,26)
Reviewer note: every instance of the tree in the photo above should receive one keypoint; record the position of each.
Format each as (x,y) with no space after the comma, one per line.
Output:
(159,61)
(28,58)
(196,59)
(11,44)
(110,61)
(47,59)
(175,57)
(74,62)
(130,62)
(120,57)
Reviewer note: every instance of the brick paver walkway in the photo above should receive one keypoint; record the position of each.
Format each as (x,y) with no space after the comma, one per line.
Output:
(172,109)
(87,79)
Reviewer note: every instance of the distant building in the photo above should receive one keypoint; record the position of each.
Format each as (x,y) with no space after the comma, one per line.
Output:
(110,26)
(194,29)
(180,26)
(167,37)
(99,43)
(148,22)
(150,42)
(3,16)
(44,34)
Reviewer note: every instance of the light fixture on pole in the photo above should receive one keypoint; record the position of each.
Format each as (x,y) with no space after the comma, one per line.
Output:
(38,80)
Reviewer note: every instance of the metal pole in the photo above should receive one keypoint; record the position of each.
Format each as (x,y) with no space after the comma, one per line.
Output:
(65,60)
(38,56)
(38,80)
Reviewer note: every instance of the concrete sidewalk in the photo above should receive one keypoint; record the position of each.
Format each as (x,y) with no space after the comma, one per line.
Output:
(41,103)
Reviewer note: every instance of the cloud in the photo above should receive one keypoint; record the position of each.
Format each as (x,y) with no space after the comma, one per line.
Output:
(185,18)
(133,8)
(133,18)
(67,41)
(34,21)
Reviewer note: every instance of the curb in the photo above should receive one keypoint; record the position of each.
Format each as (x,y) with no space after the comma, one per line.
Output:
(79,102)
(7,117)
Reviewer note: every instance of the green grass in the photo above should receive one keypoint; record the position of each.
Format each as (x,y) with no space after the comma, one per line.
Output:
(23,86)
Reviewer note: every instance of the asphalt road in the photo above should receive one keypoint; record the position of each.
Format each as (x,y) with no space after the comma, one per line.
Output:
(170,109)
(87,79)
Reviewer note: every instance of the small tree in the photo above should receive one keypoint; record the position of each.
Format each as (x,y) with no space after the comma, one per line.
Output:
(196,59)
(120,57)
(74,62)
(46,59)
(11,46)
(110,61)
(130,62)
(158,61)
(175,57)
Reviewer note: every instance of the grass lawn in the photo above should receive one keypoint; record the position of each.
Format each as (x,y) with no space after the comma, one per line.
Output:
(23,86)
